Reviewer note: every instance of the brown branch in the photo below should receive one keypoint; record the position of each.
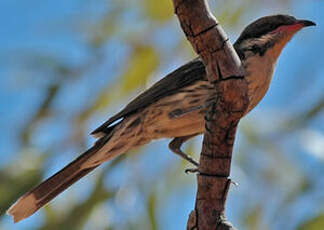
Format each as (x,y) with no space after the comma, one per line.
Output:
(224,70)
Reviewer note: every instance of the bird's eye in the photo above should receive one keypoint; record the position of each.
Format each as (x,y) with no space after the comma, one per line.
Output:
(273,27)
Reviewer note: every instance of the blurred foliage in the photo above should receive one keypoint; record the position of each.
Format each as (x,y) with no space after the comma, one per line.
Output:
(314,224)
(142,64)
(78,215)
(162,13)
(253,219)
(152,210)
(146,33)
(306,116)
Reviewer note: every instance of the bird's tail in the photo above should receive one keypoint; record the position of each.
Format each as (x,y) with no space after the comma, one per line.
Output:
(50,188)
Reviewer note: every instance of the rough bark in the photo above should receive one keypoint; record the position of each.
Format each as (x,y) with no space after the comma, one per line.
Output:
(225,71)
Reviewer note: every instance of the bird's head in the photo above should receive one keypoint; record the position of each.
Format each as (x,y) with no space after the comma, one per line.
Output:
(269,33)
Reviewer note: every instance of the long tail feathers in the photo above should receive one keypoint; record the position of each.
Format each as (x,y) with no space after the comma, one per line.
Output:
(50,188)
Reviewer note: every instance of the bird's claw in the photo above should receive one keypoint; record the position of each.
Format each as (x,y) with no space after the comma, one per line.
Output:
(192,170)
(234,183)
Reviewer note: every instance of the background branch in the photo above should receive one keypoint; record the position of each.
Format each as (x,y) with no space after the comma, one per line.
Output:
(225,71)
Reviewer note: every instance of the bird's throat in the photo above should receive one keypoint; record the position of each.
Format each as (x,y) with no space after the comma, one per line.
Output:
(259,71)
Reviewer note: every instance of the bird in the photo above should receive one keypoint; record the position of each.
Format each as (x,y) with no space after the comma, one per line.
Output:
(174,107)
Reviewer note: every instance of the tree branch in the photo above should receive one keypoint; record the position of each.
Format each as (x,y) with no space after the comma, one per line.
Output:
(225,71)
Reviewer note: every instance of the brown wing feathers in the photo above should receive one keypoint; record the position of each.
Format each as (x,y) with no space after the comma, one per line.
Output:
(181,77)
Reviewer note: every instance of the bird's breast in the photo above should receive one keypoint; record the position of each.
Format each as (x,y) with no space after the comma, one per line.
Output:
(259,71)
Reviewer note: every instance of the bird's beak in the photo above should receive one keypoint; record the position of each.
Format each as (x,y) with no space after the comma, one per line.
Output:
(306,23)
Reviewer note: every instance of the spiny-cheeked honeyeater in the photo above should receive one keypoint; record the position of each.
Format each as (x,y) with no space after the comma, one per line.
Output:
(174,107)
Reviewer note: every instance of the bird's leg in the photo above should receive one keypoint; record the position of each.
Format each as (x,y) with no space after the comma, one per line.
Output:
(175,146)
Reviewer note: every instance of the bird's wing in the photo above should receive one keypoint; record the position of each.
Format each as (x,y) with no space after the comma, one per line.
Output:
(181,77)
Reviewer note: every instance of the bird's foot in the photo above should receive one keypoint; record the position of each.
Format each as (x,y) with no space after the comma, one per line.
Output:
(192,170)
(175,147)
